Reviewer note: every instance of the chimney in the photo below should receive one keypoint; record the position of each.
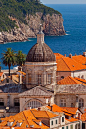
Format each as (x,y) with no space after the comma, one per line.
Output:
(70,56)
(40,123)
(84,54)
(51,108)
(64,55)
(75,54)
(39,109)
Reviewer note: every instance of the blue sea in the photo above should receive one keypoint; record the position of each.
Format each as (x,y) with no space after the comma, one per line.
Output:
(74,41)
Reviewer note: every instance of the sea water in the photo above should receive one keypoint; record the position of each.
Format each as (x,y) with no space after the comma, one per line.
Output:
(73,42)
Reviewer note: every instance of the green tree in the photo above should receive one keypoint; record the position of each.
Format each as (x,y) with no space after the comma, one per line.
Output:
(9,58)
(21,58)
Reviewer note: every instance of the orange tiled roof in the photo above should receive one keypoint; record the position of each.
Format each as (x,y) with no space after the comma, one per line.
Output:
(70,64)
(67,114)
(1,74)
(83,117)
(68,80)
(81,80)
(55,108)
(72,119)
(58,56)
(71,109)
(44,114)
(80,58)
(4,127)
(28,117)
(66,110)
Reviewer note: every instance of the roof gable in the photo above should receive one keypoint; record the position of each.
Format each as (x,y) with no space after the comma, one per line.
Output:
(36,91)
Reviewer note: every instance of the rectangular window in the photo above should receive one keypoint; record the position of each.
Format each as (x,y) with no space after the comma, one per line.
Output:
(62,119)
(62,127)
(1,102)
(56,121)
(39,79)
(29,78)
(16,102)
(51,122)
(71,126)
(66,127)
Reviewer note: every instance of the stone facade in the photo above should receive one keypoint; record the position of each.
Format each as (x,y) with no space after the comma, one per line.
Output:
(40,73)
(71,96)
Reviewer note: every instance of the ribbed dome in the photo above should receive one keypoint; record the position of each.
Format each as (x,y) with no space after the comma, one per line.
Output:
(40,53)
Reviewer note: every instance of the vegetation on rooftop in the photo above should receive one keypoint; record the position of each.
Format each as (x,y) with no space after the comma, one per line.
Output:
(19,9)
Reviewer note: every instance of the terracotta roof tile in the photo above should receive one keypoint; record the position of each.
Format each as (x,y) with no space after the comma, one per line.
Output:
(71,109)
(80,58)
(1,74)
(58,56)
(80,80)
(40,114)
(68,80)
(66,110)
(71,64)
(83,117)
(28,118)
(55,108)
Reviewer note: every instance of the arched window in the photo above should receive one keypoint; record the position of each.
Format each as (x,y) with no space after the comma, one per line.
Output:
(62,77)
(1,102)
(62,103)
(81,103)
(16,102)
(34,104)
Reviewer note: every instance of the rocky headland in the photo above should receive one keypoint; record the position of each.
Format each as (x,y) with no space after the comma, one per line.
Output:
(21,19)
(52,25)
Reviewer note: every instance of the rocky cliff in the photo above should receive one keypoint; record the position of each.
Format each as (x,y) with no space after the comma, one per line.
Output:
(52,25)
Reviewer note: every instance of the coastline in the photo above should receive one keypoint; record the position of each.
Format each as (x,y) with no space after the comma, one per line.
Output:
(15,41)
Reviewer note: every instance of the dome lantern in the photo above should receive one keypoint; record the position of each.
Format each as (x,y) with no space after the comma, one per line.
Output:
(40,36)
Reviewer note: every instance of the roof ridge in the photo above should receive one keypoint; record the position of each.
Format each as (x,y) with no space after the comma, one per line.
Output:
(72,79)
(47,114)
(25,118)
(66,63)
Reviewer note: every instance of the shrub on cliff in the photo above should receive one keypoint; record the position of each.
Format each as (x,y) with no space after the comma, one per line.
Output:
(19,9)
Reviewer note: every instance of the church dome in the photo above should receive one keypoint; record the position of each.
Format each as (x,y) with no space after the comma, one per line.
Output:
(40,52)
